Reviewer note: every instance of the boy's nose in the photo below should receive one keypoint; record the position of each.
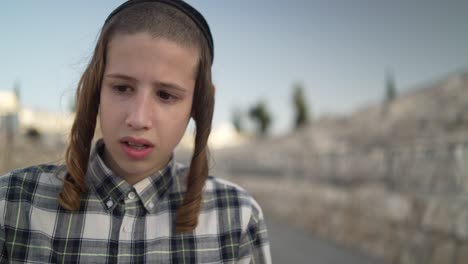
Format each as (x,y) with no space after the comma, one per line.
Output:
(140,112)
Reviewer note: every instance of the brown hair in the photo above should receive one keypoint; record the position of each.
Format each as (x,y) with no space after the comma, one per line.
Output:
(159,20)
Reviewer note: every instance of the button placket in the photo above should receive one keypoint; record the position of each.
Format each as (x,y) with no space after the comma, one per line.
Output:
(127,228)
(109,203)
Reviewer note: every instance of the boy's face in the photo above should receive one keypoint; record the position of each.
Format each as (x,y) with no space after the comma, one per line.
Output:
(146,102)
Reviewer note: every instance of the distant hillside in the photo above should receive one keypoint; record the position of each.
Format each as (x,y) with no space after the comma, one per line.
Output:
(436,112)
(416,142)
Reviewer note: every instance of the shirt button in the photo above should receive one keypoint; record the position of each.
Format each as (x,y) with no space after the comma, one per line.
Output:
(151,205)
(128,228)
(131,195)
(109,203)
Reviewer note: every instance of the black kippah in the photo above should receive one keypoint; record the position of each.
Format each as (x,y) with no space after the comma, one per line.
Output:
(180,5)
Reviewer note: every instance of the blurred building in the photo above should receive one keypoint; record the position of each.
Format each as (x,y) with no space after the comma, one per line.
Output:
(9,106)
(225,135)
(222,136)
(45,122)
(16,119)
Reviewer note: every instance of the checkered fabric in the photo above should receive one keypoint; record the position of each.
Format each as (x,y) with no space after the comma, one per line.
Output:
(121,223)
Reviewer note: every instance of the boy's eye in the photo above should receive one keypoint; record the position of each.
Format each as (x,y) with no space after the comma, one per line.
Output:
(121,88)
(165,95)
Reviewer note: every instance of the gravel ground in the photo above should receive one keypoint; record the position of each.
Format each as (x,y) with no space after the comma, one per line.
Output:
(292,245)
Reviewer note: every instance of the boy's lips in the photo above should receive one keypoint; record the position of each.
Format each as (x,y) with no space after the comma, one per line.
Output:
(136,141)
(136,148)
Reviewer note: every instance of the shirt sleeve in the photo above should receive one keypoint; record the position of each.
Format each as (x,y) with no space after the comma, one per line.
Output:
(3,248)
(3,253)
(254,246)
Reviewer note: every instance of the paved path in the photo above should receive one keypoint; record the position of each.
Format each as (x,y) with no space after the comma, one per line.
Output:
(292,245)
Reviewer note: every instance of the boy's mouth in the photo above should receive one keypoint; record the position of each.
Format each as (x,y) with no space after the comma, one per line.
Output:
(136,143)
(136,148)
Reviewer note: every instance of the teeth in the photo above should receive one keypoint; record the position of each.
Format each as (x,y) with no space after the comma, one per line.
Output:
(137,146)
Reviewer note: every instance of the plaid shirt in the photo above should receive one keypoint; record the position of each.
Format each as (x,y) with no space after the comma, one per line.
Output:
(121,223)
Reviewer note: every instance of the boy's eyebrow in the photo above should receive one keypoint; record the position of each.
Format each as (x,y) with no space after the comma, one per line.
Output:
(163,84)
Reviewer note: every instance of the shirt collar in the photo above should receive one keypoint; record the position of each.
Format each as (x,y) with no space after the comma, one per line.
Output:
(152,189)
(111,189)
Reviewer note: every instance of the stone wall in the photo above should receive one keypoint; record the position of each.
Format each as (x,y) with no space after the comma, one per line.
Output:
(399,227)
(426,168)
(405,204)
(390,180)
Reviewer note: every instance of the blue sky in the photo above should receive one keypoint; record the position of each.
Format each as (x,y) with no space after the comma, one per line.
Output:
(338,49)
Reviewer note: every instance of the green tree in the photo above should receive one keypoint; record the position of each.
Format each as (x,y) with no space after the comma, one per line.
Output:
(260,114)
(300,106)
(17,90)
(390,88)
(237,120)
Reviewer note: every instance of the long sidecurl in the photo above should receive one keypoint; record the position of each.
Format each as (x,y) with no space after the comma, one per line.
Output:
(82,132)
(202,113)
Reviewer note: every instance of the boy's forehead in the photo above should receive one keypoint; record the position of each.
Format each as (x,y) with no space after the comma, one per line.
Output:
(145,45)
(142,56)
(142,48)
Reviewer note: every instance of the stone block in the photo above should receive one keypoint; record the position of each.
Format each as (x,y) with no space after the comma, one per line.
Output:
(461,225)
(438,217)
(376,202)
(444,252)
(398,208)
(462,254)
(415,250)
